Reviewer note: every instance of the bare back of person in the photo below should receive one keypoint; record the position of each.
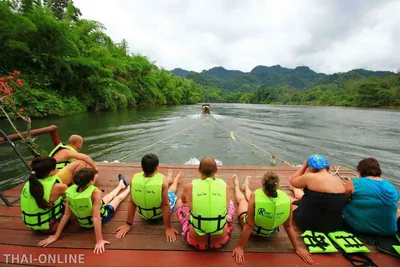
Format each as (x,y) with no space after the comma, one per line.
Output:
(324,182)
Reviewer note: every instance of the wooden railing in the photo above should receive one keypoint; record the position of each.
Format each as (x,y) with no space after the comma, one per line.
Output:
(52,130)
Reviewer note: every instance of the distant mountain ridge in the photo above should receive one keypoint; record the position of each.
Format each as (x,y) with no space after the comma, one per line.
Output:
(299,78)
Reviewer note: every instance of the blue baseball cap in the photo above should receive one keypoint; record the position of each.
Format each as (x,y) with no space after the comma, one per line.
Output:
(317,162)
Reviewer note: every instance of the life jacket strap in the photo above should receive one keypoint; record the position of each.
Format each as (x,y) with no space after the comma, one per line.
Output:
(259,230)
(359,260)
(39,215)
(62,164)
(154,209)
(352,241)
(316,241)
(199,219)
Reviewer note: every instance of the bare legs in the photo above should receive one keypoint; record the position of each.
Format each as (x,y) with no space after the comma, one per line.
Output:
(174,185)
(246,189)
(112,198)
(298,194)
(239,197)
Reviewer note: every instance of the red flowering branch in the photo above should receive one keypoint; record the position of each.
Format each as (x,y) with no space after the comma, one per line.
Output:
(7,86)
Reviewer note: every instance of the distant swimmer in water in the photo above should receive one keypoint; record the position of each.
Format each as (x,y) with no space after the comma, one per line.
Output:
(68,155)
(206,210)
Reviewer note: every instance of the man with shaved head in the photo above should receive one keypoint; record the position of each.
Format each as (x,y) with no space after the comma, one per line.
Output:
(206,210)
(68,155)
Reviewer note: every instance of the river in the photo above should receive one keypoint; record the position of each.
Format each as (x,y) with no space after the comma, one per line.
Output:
(343,135)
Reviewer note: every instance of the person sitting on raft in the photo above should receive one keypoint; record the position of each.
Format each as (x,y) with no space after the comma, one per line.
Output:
(85,202)
(66,154)
(373,201)
(42,196)
(205,210)
(152,196)
(262,212)
(319,207)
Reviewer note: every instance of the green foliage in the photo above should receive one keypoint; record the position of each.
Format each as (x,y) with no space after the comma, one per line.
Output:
(70,65)
(342,91)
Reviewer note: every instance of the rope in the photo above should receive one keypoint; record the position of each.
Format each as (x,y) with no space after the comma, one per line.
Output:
(273,156)
(162,140)
(27,142)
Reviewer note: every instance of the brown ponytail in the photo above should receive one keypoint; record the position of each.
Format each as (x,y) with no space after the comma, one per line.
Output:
(270,182)
(42,167)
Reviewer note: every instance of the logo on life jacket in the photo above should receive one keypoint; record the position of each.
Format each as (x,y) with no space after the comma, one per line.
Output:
(262,212)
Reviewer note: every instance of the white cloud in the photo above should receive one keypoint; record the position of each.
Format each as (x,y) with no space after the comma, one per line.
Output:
(329,36)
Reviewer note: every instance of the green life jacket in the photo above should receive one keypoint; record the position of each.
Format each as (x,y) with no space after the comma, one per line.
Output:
(270,212)
(146,193)
(60,146)
(348,242)
(81,205)
(209,208)
(35,217)
(317,242)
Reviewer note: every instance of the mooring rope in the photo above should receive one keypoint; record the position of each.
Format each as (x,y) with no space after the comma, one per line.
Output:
(162,140)
(272,155)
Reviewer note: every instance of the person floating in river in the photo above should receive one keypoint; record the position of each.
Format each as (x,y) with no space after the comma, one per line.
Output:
(262,212)
(42,196)
(206,210)
(68,154)
(319,207)
(91,210)
(152,196)
(373,201)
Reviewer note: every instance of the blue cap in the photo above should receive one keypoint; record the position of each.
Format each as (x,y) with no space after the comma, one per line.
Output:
(317,162)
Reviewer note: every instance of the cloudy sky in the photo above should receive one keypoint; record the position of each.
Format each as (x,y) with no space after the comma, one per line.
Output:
(327,35)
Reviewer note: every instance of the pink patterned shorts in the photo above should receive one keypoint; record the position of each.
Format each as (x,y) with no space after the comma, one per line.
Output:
(183,214)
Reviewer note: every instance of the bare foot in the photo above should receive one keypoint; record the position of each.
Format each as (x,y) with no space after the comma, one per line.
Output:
(246,183)
(235,180)
(169,176)
(121,184)
(179,176)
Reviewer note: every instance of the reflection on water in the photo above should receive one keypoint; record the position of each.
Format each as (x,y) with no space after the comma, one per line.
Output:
(343,135)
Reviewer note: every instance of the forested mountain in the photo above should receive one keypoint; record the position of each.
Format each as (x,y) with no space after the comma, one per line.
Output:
(63,64)
(298,78)
(70,65)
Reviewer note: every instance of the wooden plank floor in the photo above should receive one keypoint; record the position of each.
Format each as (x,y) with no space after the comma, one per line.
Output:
(145,244)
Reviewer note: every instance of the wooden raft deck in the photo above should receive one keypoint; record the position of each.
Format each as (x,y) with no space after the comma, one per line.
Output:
(145,245)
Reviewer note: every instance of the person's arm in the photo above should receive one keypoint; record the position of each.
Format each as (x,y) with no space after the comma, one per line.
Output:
(238,252)
(300,171)
(124,229)
(166,212)
(56,236)
(348,189)
(57,191)
(301,252)
(81,156)
(301,181)
(99,247)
